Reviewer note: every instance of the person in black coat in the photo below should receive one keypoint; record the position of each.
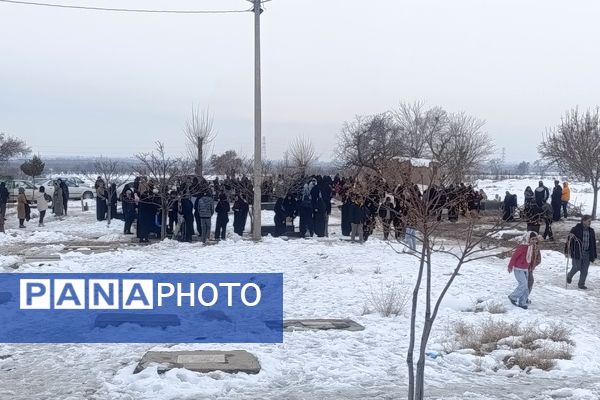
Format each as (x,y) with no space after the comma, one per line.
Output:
(128,206)
(581,247)
(319,209)
(289,205)
(534,215)
(65,190)
(509,205)
(101,202)
(555,201)
(279,218)
(146,213)
(240,214)
(222,210)
(186,209)
(305,210)
(325,186)
(346,217)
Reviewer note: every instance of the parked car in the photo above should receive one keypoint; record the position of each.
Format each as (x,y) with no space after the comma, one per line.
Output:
(76,191)
(13,186)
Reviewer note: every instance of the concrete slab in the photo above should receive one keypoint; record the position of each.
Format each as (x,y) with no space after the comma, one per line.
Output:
(321,324)
(231,361)
(40,258)
(145,320)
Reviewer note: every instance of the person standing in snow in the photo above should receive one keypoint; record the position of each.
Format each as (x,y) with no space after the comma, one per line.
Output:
(42,204)
(206,208)
(564,199)
(358,216)
(240,214)
(3,200)
(548,214)
(222,210)
(581,247)
(519,263)
(65,191)
(57,201)
(555,201)
(541,194)
(21,207)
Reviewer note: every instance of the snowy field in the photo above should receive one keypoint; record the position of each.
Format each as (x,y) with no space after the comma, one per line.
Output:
(324,278)
(581,192)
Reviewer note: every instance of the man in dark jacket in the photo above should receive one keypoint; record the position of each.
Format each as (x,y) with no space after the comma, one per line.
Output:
(222,210)
(240,214)
(3,200)
(555,201)
(279,218)
(205,208)
(581,247)
(541,194)
(65,190)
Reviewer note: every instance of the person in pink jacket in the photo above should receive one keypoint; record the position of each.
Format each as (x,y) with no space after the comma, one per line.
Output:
(524,256)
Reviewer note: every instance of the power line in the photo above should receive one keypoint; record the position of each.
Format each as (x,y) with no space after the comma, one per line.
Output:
(130,10)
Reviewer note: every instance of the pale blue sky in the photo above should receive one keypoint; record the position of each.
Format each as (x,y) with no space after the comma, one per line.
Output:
(88,83)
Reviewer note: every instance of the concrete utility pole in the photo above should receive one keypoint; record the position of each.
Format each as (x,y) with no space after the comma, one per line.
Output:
(256,205)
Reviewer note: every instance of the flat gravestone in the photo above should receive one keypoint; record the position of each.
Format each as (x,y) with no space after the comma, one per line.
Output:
(232,361)
(52,257)
(145,320)
(321,324)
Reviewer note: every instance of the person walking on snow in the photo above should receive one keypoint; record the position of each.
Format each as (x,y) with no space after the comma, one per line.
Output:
(564,199)
(581,247)
(519,263)
(534,258)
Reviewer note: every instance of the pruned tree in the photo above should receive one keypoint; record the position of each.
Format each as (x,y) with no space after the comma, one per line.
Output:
(199,132)
(415,125)
(33,168)
(369,143)
(11,147)
(228,163)
(461,145)
(574,146)
(164,173)
(111,172)
(301,154)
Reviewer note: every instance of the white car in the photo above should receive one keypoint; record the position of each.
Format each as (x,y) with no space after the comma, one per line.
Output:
(76,191)
(13,186)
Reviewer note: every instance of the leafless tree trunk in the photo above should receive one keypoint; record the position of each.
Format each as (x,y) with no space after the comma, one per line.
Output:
(200,133)
(301,154)
(574,146)
(165,173)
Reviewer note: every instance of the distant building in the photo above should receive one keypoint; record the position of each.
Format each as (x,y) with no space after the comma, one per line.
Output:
(420,171)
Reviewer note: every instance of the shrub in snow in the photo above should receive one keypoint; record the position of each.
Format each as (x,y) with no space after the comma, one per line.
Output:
(387,300)
(534,345)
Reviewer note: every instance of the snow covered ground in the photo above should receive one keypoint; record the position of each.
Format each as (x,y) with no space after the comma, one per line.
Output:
(324,278)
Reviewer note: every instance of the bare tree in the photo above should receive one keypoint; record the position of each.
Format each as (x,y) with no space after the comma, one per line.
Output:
(370,143)
(416,124)
(164,173)
(11,147)
(523,168)
(473,243)
(111,172)
(199,132)
(301,154)
(461,145)
(541,167)
(574,146)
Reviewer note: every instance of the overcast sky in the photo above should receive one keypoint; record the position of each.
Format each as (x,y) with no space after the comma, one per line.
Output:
(90,83)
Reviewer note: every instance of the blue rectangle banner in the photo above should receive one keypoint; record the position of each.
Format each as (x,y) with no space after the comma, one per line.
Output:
(141,308)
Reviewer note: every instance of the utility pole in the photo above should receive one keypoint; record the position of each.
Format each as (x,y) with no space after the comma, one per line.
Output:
(256,204)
